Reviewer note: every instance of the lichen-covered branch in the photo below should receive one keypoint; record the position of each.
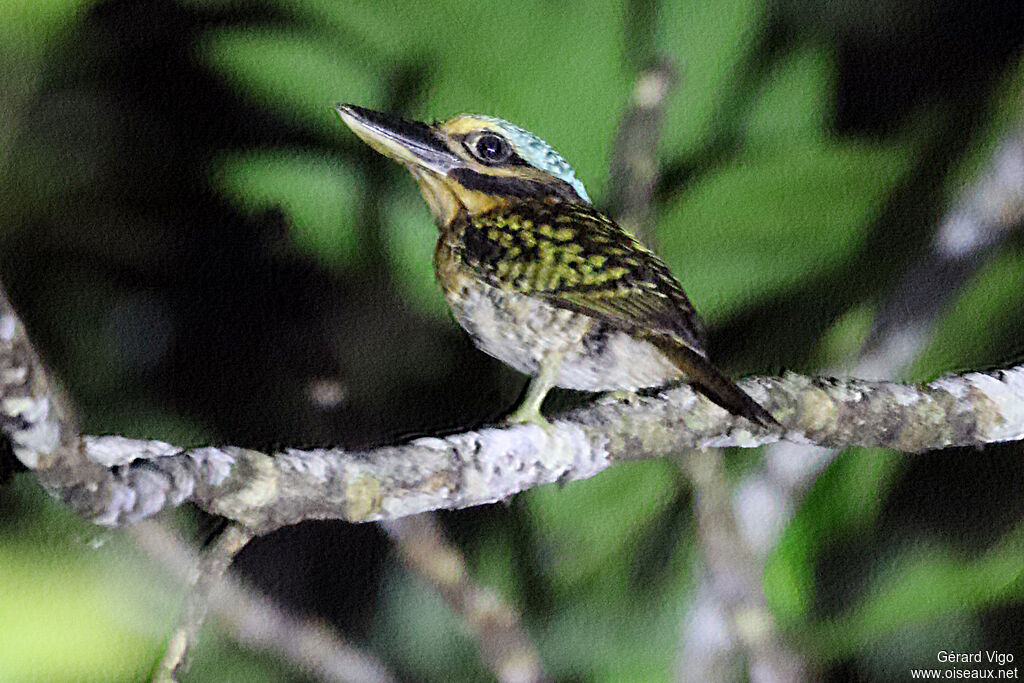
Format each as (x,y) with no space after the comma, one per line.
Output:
(985,216)
(36,418)
(128,479)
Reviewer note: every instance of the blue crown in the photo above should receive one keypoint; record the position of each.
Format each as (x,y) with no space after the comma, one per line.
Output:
(538,153)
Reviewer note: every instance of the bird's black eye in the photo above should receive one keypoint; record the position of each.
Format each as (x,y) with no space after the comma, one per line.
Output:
(492,149)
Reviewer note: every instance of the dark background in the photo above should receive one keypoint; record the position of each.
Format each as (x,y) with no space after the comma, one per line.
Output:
(205,254)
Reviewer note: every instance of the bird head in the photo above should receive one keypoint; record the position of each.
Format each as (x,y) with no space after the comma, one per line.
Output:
(469,163)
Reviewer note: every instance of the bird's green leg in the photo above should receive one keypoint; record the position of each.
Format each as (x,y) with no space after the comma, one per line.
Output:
(528,411)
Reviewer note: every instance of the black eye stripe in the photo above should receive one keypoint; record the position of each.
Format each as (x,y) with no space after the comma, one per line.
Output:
(511,186)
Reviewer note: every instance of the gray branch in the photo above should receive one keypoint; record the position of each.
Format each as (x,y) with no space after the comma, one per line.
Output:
(729,627)
(113,480)
(983,218)
(213,565)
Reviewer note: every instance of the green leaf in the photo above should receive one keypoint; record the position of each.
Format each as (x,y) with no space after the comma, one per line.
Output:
(317,194)
(615,638)
(843,340)
(411,238)
(991,301)
(297,75)
(924,584)
(77,602)
(845,499)
(795,104)
(535,71)
(589,527)
(773,218)
(418,629)
(708,41)
(27,27)
(45,640)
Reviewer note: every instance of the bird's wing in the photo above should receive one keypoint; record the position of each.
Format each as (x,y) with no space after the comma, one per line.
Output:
(576,258)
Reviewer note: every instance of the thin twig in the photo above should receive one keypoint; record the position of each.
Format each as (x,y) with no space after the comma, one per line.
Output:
(729,613)
(213,563)
(504,646)
(966,238)
(981,221)
(741,617)
(634,165)
(256,621)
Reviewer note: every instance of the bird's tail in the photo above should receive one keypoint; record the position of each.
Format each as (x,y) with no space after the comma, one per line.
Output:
(706,378)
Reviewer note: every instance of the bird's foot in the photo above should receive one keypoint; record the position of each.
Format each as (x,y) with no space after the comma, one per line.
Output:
(552,458)
(527,414)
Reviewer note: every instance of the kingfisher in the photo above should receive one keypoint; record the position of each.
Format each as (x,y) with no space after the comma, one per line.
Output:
(538,277)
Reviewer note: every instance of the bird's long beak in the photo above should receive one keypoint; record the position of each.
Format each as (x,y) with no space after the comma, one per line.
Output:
(411,143)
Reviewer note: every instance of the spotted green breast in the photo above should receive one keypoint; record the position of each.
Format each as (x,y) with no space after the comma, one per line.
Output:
(574,257)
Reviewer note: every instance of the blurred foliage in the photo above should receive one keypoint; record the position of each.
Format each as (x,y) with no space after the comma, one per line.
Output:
(196,241)
(81,603)
(311,192)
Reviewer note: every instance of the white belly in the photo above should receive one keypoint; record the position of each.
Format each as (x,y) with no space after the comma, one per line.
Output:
(521,331)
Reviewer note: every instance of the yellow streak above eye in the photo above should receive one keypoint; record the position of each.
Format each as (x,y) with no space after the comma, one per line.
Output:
(466,123)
